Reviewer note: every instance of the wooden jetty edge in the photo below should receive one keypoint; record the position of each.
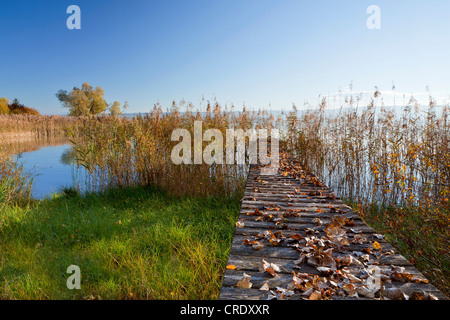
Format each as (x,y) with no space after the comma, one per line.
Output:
(295,239)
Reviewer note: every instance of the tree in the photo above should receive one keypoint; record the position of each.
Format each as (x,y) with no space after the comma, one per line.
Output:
(114,110)
(83,102)
(4,109)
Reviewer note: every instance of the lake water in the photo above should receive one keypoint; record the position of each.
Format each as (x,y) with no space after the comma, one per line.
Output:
(52,169)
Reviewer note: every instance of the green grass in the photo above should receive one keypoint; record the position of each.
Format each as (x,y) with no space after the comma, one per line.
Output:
(133,243)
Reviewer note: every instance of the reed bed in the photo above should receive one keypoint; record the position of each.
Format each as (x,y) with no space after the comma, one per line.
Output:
(375,155)
(38,126)
(120,152)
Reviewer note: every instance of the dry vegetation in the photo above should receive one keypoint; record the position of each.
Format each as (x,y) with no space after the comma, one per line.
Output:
(13,126)
(15,184)
(126,152)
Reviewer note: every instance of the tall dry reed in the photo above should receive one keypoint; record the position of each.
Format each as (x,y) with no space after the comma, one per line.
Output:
(15,184)
(377,154)
(124,152)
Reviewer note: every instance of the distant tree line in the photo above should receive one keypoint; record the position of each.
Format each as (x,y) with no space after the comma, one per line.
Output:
(15,107)
(84,101)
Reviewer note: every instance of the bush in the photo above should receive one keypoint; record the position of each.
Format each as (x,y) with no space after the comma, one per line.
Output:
(16,107)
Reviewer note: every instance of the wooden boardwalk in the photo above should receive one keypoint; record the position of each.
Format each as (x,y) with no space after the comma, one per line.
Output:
(295,239)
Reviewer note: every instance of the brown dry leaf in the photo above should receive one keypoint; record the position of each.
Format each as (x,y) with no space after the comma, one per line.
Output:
(239,224)
(296,283)
(273,240)
(285,292)
(345,260)
(244,283)
(337,221)
(231,267)
(296,236)
(315,295)
(353,278)
(359,238)
(336,234)
(264,287)
(317,221)
(257,245)
(349,288)
(350,222)
(270,268)
(328,260)
(407,277)
(325,271)
(321,258)
(367,250)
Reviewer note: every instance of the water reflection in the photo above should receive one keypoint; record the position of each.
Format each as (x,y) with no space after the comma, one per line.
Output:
(68,156)
(50,163)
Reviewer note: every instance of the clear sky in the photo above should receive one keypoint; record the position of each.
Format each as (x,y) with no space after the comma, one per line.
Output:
(261,52)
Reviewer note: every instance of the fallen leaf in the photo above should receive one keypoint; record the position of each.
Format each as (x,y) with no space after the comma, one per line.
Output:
(324,271)
(359,238)
(317,221)
(239,224)
(376,246)
(244,283)
(257,245)
(315,296)
(296,236)
(270,268)
(264,287)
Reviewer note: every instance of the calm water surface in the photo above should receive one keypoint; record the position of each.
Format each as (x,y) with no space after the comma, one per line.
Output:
(52,169)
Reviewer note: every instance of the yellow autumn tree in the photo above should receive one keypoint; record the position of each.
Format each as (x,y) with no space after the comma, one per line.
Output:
(4,109)
(83,102)
(114,109)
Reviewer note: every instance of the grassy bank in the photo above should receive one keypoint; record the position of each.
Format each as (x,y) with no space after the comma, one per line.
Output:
(132,243)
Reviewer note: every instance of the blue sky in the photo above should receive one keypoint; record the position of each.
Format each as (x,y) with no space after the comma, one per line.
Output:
(261,52)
